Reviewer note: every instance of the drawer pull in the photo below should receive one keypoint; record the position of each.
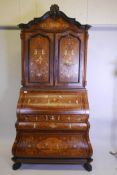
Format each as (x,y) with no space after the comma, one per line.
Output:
(57,146)
(34,126)
(70,125)
(46,145)
(69,118)
(74,146)
(53,125)
(58,117)
(29,146)
(46,118)
(52,117)
(26,118)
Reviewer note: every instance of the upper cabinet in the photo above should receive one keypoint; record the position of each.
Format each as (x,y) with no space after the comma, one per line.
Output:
(54,51)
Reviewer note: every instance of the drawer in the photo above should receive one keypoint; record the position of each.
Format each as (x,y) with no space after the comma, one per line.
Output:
(52,145)
(56,118)
(51,126)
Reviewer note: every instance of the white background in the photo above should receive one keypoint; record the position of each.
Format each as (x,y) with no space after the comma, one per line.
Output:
(102,12)
(101,78)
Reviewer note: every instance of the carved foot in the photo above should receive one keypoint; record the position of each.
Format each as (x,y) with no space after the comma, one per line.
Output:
(87,166)
(16,166)
(89,159)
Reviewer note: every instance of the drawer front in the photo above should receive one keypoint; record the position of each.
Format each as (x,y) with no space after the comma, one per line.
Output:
(52,145)
(51,126)
(56,118)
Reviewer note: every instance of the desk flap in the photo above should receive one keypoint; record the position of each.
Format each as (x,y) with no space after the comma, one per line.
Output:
(53,101)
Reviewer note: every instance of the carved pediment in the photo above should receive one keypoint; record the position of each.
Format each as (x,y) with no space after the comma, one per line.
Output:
(52,20)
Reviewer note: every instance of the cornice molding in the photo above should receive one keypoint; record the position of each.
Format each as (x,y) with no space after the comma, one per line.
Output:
(55,14)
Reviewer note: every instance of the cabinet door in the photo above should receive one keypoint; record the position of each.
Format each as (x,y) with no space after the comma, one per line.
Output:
(69,60)
(39,59)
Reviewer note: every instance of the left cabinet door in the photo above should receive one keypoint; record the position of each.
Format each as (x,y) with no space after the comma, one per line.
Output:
(37,59)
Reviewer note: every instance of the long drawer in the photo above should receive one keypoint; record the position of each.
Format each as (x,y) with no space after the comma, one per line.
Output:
(52,145)
(51,126)
(56,118)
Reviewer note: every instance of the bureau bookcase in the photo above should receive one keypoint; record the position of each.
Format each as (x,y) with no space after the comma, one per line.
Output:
(52,112)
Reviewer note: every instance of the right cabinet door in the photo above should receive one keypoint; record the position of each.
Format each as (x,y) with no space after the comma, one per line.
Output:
(69,59)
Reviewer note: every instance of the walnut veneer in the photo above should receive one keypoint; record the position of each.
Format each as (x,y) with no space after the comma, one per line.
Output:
(52,111)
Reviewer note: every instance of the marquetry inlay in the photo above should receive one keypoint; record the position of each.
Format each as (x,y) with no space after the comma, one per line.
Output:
(39,59)
(59,145)
(69,58)
(57,100)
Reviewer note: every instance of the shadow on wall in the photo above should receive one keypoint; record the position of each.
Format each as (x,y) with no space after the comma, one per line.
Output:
(10,55)
(114,120)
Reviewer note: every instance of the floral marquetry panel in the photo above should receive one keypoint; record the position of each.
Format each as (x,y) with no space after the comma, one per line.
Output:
(39,59)
(69,59)
(69,48)
(40,145)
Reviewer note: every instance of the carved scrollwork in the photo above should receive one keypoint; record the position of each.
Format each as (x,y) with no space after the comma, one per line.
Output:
(54,13)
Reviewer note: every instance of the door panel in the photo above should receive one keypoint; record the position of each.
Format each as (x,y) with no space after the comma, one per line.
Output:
(68,59)
(39,53)
(40,59)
